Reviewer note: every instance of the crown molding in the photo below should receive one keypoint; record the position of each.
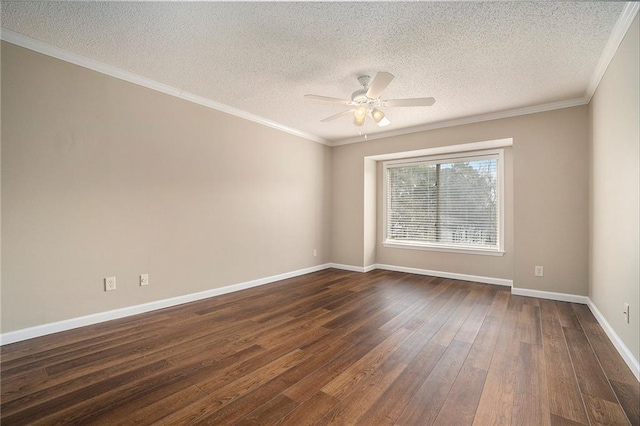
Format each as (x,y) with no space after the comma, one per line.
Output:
(619,31)
(467,120)
(67,56)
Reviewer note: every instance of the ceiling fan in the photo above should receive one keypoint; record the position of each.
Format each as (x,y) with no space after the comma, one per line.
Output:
(366,101)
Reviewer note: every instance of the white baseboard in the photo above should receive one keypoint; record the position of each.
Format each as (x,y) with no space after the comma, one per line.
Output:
(417,271)
(55,327)
(623,350)
(563,297)
(370,268)
(349,267)
(451,275)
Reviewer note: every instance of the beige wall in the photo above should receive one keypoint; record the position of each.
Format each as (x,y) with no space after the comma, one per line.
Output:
(0,186)
(614,268)
(546,201)
(101,177)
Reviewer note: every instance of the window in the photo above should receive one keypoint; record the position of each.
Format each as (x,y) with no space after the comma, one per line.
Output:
(449,203)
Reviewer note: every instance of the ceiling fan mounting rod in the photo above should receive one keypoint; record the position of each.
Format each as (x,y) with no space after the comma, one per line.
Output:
(364,80)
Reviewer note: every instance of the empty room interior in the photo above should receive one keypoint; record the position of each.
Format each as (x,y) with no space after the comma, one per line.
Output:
(402,213)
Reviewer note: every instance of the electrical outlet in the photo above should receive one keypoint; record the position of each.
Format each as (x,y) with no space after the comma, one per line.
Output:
(626,311)
(109,283)
(538,271)
(144,279)
(315,252)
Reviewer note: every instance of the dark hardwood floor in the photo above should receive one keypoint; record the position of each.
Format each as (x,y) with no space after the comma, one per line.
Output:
(337,347)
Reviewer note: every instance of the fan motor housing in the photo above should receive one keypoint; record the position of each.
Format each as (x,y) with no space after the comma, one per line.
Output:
(359,96)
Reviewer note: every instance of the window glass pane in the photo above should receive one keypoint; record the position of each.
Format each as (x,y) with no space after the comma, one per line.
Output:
(449,202)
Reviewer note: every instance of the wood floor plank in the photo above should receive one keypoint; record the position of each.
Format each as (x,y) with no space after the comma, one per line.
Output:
(308,386)
(176,337)
(471,326)
(314,409)
(529,324)
(428,325)
(448,331)
(71,407)
(591,378)
(192,413)
(74,380)
(77,349)
(393,401)
(496,401)
(378,348)
(484,344)
(156,402)
(79,336)
(509,336)
(238,386)
(419,309)
(548,311)
(499,303)
(356,402)
(173,397)
(565,399)
(628,395)
(567,316)
(530,401)
(368,363)
(460,406)
(624,385)
(610,360)
(561,421)
(603,412)
(270,413)
(425,405)
(220,395)
(158,409)
(243,406)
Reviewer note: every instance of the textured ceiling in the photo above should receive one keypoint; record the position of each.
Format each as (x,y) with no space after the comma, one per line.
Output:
(473,57)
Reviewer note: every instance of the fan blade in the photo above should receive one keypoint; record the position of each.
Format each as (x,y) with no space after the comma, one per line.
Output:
(408,102)
(384,122)
(338,115)
(379,83)
(327,99)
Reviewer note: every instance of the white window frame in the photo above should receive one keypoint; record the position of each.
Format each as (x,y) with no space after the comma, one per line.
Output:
(419,245)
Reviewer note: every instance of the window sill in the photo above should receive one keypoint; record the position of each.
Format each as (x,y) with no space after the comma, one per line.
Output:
(445,249)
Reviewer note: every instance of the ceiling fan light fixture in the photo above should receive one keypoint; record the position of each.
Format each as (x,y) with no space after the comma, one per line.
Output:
(377,115)
(359,115)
